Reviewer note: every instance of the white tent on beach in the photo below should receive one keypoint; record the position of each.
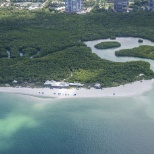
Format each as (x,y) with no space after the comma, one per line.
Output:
(55,84)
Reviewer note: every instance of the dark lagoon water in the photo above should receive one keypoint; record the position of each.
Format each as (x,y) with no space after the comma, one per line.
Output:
(31,125)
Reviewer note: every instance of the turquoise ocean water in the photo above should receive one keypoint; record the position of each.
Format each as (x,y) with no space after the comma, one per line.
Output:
(30,125)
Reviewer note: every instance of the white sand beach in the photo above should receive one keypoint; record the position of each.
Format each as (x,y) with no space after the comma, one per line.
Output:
(127,90)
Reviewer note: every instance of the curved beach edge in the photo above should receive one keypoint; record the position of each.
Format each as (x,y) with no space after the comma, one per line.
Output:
(127,90)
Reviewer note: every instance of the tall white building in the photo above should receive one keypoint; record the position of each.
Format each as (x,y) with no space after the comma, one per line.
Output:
(151,5)
(73,6)
(120,5)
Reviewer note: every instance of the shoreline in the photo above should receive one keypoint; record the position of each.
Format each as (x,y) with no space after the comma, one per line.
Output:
(127,90)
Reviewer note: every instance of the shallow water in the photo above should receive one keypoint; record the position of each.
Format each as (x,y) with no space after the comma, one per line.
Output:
(126,43)
(31,125)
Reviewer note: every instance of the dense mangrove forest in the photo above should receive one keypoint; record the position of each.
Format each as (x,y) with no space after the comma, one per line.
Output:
(107,45)
(143,51)
(37,45)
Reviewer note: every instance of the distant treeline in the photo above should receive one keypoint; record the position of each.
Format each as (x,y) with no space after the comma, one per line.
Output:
(55,41)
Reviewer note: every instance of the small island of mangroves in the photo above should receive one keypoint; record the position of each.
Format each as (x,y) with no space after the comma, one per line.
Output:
(107,45)
(144,51)
(38,45)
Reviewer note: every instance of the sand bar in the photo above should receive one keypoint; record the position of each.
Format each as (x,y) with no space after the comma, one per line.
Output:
(127,90)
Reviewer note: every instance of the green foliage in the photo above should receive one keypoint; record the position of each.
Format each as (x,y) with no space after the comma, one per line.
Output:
(51,33)
(143,51)
(140,41)
(3,52)
(140,2)
(88,3)
(85,66)
(27,1)
(29,51)
(107,45)
(112,37)
(56,43)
